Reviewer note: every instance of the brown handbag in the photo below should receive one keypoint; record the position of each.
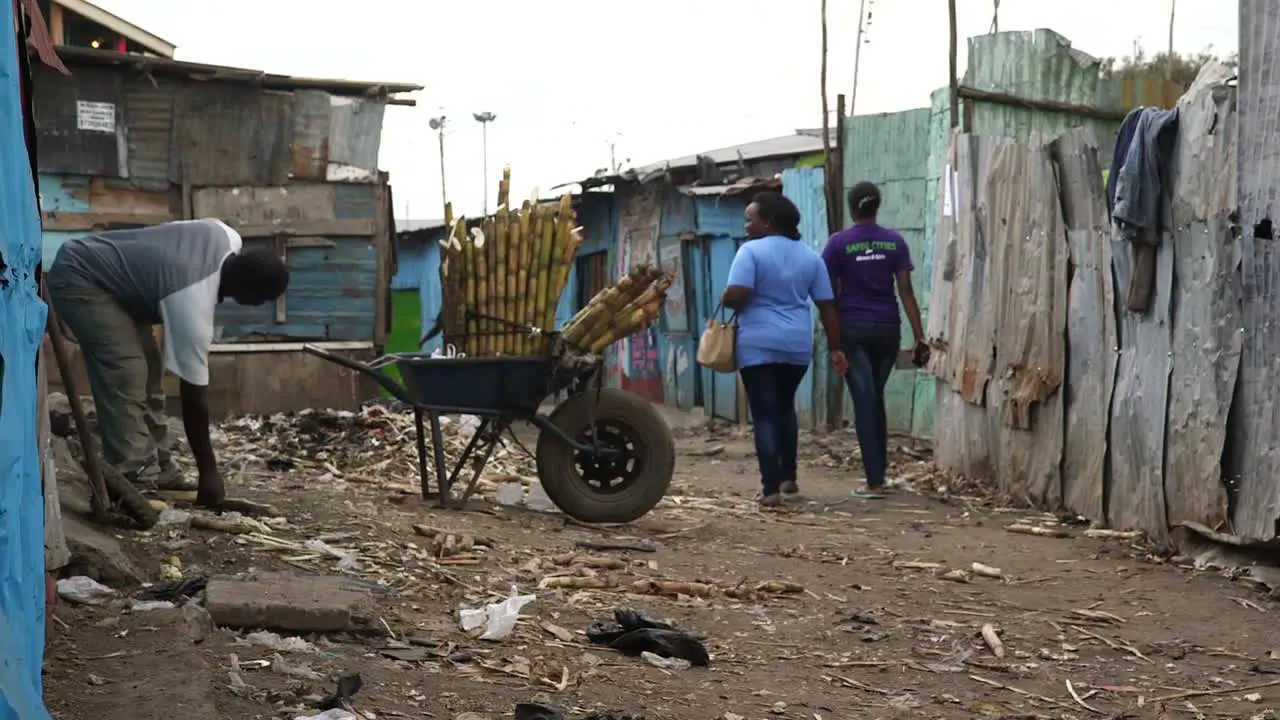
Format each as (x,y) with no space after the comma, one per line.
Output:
(717,348)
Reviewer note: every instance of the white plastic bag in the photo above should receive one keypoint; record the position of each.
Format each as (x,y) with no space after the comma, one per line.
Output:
(334,714)
(498,619)
(85,591)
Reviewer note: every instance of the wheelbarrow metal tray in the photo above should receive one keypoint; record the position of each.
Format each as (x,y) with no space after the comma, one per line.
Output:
(477,386)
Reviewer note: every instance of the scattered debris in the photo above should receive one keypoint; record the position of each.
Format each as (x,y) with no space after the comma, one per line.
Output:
(498,619)
(992,639)
(632,633)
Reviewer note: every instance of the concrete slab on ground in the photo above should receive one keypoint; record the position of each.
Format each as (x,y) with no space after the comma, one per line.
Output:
(286,602)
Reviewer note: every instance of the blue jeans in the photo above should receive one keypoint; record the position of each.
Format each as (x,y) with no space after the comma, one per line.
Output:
(771,394)
(872,351)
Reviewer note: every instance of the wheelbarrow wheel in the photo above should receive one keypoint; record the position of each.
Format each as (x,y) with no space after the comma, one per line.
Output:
(621,484)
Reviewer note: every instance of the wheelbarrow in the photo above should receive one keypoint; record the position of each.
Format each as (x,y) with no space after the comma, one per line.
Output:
(602,455)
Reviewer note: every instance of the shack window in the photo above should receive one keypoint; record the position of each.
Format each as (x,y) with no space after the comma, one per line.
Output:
(593,275)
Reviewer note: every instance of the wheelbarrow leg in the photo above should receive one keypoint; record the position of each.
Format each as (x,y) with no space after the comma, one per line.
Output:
(422,454)
(490,446)
(466,455)
(437,447)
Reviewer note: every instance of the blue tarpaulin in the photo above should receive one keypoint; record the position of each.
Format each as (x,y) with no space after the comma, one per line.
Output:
(22,318)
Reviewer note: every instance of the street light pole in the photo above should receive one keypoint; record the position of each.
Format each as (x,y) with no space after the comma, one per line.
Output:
(437,124)
(484,118)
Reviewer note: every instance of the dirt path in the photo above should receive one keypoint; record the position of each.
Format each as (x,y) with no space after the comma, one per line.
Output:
(878,630)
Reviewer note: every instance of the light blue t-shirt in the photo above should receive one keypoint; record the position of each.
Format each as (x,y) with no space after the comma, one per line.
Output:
(784,275)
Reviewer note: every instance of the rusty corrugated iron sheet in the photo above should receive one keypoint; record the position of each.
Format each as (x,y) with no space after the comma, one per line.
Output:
(149,121)
(230,135)
(355,132)
(310,156)
(1255,462)
(1091,323)
(1207,332)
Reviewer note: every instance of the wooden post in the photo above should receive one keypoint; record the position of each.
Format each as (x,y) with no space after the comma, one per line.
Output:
(954,62)
(835,218)
(57,30)
(282,308)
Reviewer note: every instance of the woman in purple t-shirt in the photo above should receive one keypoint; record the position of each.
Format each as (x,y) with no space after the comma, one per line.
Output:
(866,262)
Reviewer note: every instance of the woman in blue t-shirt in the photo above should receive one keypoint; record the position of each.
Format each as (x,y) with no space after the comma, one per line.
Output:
(771,282)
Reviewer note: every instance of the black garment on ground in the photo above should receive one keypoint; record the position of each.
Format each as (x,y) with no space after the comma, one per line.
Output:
(632,633)
(535,711)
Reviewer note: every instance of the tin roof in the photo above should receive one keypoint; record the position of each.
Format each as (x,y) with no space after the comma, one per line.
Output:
(200,71)
(802,142)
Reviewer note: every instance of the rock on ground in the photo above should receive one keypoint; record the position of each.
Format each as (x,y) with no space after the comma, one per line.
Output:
(96,554)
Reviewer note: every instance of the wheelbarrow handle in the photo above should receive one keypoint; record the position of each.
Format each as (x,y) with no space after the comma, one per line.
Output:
(373,369)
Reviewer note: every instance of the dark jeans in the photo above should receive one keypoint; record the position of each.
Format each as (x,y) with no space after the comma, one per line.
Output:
(771,393)
(872,351)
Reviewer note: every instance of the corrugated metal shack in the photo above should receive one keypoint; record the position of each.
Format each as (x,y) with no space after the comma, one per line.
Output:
(686,215)
(291,163)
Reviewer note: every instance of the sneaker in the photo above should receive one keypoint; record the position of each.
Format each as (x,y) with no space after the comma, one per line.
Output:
(143,480)
(773,500)
(790,487)
(869,493)
(170,477)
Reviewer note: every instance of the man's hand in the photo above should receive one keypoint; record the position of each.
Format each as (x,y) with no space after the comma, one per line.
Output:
(920,354)
(839,362)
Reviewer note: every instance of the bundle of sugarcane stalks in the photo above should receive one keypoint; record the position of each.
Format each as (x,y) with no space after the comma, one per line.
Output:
(503,281)
(620,310)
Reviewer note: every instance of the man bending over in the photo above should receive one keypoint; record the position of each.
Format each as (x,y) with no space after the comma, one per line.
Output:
(110,288)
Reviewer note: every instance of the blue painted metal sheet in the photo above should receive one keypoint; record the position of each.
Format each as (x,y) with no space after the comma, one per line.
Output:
(678,214)
(57,194)
(52,240)
(720,215)
(723,402)
(411,258)
(598,216)
(430,295)
(22,322)
(806,188)
(331,296)
(568,300)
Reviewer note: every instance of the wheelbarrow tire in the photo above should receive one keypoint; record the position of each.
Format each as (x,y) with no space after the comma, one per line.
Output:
(646,431)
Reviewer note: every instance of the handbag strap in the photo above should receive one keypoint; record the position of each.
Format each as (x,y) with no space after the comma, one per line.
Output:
(719,313)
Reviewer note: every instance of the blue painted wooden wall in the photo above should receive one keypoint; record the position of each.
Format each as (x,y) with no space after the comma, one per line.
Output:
(331,296)
(22,322)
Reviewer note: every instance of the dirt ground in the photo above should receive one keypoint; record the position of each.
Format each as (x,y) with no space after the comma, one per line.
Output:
(888,624)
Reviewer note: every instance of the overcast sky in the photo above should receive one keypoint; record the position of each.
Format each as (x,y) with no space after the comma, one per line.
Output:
(660,78)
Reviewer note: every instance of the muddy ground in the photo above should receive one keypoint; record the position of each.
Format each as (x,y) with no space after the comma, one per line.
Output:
(888,623)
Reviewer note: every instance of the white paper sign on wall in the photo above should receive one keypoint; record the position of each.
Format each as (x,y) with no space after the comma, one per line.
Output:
(96,116)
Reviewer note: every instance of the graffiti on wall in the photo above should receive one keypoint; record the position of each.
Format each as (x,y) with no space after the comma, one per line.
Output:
(677,365)
(638,244)
(671,259)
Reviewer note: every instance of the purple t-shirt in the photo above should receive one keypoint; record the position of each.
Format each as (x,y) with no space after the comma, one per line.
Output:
(864,260)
